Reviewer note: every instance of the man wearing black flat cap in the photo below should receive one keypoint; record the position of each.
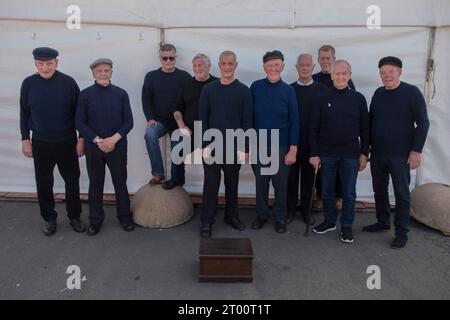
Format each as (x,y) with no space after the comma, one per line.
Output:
(47,110)
(399,127)
(274,108)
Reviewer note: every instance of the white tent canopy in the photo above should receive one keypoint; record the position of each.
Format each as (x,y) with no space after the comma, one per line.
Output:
(129,33)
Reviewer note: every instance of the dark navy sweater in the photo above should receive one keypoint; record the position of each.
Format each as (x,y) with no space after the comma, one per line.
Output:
(159,93)
(340,125)
(104,111)
(325,79)
(399,121)
(47,107)
(307,100)
(275,107)
(188,97)
(225,107)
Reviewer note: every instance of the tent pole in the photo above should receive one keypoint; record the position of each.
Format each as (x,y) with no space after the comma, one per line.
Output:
(428,93)
(166,139)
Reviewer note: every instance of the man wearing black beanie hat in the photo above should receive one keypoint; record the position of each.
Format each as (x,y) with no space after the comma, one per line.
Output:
(399,127)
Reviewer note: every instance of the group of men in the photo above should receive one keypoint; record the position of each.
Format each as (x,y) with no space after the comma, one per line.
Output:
(321,121)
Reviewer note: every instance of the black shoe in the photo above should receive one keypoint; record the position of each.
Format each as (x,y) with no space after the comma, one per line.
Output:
(206,231)
(312,221)
(324,227)
(346,235)
(235,223)
(258,223)
(93,229)
(127,225)
(280,226)
(77,225)
(399,242)
(376,227)
(156,180)
(170,184)
(49,228)
(290,216)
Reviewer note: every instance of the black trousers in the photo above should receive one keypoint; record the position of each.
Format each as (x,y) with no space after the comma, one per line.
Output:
(280,187)
(117,164)
(397,168)
(300,171)
(211,186)
(47,155)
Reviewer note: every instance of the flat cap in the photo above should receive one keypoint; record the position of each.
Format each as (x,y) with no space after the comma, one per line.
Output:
(275,54)
(393,61)
(100,61)
(44,53)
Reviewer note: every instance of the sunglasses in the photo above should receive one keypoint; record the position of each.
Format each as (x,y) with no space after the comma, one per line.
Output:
(168,58)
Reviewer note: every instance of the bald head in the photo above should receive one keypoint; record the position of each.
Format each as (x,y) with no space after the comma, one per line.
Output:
(305,67)
(304,57)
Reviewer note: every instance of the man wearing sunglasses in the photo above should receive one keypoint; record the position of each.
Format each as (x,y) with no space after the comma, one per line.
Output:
(159,92)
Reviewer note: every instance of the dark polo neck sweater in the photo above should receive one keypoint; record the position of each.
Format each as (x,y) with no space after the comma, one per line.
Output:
(340,125)
(47,107)
(399,121)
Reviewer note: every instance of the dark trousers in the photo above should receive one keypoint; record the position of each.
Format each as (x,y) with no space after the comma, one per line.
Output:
(177,171)
(381,168)
(117,164)
(280,186)
(303,171)
(348,173)
(211,186)
(47,155)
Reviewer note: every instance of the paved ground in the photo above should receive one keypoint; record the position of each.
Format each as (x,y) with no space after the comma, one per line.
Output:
(163,264)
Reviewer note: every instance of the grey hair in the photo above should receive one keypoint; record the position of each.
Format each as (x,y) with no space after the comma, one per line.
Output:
(203,57)
(167,47)
(339,61)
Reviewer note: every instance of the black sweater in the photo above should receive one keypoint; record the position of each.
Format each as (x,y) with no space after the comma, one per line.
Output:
(325,79)
(104,111)
(159,93)
(225,107)
(340,125)
(399,121)
(188,98)
(47,107)
(307,100)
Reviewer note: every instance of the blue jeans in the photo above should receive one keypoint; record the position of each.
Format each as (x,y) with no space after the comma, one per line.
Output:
(348,172)
(398,169)
(152,135)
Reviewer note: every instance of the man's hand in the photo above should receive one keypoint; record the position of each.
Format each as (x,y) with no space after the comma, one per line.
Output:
(414,160)
(206,152)
(27,149)
(362,162)
(243,157)
(80,147)
(291,156)
(150,123)
(185,131)
(315,162)
(108,144)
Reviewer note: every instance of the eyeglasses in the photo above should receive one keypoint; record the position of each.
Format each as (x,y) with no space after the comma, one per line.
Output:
(168,58)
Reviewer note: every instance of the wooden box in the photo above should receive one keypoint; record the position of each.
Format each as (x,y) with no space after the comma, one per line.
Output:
(226,260)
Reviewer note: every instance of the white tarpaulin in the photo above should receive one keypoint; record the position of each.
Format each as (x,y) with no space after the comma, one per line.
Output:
(129,33)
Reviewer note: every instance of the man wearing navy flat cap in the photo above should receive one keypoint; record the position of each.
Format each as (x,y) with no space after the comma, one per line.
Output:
(47,123)
(398,130)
